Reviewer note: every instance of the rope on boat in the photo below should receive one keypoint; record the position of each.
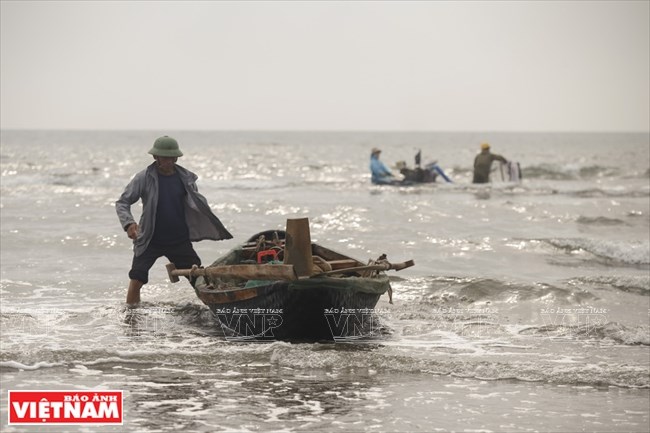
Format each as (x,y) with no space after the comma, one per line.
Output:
(381,260)
(194,272)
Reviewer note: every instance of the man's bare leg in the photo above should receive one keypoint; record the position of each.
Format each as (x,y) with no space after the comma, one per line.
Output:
(133,295)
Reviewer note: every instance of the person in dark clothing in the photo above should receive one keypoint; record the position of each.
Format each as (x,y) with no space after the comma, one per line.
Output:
(483,164)
(174,215)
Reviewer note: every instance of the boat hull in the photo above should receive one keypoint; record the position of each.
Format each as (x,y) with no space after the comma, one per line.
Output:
(311,309)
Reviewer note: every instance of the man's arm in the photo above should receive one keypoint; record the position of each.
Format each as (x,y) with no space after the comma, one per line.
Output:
(386,171)
(130,195)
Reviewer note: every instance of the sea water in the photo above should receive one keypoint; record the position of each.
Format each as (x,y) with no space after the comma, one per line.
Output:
(527,309)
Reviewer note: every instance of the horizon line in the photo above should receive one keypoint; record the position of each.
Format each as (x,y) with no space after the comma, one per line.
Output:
(420,131)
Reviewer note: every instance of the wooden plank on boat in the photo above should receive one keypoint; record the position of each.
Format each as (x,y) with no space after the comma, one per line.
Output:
(376,267)
(297,246)
(247,272)
(342,264)
(225,297)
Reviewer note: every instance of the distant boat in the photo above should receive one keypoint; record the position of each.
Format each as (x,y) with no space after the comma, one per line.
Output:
(419,174)
(255,295)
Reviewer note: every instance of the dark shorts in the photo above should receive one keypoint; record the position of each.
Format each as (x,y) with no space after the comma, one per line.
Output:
(181,255)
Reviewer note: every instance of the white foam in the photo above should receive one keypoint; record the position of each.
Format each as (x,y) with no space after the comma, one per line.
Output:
(36,366)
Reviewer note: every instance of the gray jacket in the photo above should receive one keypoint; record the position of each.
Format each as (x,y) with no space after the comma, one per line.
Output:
(202,223)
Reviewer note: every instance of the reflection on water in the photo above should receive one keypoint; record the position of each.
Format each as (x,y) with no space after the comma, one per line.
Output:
(267,398)
(480,338)
(263,395)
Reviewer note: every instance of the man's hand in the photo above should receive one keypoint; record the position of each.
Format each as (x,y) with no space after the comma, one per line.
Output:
(132,231)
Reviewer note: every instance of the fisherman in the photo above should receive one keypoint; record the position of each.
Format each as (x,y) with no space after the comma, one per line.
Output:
(483,164)
(380,174)
(174,215)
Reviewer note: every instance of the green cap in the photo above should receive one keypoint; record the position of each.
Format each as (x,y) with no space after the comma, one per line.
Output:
(166,146)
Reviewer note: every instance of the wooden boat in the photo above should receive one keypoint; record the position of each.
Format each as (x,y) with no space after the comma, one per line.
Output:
(416,175)
(259,291)
(419,174)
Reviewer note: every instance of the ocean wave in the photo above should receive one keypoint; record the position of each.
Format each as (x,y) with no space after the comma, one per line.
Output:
(610,252)
(470,358)
(609,192)
(448,290)
(465,366)
(569,172)
(36,366)
(612,331)
(639,285)
(532,188)
(600,221)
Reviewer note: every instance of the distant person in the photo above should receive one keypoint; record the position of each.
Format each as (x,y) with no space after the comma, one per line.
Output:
(380,174)
(174,215)
(483,164)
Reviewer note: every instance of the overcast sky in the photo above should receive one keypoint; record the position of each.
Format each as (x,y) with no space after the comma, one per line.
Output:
(427,66)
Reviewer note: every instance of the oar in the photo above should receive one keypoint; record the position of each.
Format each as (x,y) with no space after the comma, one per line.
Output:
(247,272)
(377,267)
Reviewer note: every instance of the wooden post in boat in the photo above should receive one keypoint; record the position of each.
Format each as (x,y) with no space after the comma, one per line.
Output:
(297,246)
(246,272)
